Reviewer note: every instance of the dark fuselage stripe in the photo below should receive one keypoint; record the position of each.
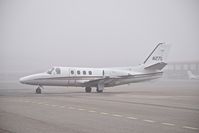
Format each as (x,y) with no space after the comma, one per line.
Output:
(69,78)
(98,77)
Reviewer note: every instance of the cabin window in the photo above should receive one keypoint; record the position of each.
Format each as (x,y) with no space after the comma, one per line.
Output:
(84,72)
(72,72)
(58,71)
(89,72)
(78,72)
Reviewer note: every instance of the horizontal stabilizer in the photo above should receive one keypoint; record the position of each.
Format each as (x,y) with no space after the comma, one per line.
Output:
(157,66)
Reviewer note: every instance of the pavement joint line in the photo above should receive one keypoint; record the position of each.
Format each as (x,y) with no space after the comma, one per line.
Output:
(188,127)
(62,106)
(168,124)
(132,118)
(116,115)
(92,111)
(150,121)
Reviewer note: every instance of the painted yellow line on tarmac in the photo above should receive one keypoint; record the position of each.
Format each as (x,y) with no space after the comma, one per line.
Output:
(116,115)
(132,118)
(150,121)
(168,124)
(92,111)
(188,127)
(81,109)
(104,113)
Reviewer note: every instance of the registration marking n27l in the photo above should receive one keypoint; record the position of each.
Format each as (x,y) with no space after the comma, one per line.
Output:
(157,58)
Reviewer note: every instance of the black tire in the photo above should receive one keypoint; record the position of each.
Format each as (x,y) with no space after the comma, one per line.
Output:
(38,90)
(88,89)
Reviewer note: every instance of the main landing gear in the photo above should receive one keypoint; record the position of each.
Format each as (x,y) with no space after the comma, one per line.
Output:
(100,88)
(88,89)
(99,91)
(38,90)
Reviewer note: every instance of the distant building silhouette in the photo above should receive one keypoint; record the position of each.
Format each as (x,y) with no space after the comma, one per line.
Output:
(178,70)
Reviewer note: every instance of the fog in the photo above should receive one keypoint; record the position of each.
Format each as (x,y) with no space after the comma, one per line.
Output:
(36,35)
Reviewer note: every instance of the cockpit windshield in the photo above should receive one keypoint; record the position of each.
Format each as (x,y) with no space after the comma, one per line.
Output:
(53,70)
(50,71)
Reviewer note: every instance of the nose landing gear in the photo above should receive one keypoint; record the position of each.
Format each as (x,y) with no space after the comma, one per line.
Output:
(38,90)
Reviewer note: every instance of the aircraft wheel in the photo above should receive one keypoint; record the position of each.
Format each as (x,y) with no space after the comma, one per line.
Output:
(99,91)
(38,90)
(88,89)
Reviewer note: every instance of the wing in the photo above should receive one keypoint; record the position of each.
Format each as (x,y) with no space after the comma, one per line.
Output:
(106,81)
(119,80)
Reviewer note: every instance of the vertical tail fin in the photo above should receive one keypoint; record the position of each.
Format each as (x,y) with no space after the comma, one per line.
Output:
(157,60)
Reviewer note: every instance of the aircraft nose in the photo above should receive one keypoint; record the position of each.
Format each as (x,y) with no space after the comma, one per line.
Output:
(26,80)
(31,79)
(23,80)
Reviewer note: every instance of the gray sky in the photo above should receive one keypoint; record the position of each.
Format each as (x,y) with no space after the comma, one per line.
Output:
(38,34)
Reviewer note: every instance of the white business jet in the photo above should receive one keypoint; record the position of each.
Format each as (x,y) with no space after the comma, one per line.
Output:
(150,69)
(192,76)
